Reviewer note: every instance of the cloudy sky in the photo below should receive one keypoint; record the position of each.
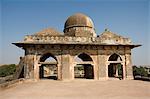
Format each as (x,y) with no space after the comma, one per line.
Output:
(129,18)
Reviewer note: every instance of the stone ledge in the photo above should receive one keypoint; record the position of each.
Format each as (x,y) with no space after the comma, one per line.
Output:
(11,83)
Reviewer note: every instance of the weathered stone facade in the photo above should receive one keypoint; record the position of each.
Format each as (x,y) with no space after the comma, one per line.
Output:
(103,54)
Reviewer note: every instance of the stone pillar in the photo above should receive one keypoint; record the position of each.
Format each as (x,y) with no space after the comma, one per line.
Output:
(36,67)
(59,72)
(124,72)
(103,66)
(72,65)
(128,62)
(29,67)
(95,67)
(65,64)
(59,68)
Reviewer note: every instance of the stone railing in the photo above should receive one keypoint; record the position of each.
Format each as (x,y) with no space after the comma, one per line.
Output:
(114,40)
(6,78)
(60,39)
(69,39)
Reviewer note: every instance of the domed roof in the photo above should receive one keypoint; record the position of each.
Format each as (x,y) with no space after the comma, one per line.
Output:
(78,19)
(48,32)
(108,34)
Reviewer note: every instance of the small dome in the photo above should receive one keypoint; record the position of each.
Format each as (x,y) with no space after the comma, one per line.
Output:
(48,32)
(78,19)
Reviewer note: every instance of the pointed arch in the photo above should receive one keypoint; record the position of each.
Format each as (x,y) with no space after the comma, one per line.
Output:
(48,68)
(84,57)
(115,68)
(48,57)
(115,57)
(84,67)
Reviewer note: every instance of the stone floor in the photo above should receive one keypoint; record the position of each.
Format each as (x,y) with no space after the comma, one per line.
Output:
(79,89)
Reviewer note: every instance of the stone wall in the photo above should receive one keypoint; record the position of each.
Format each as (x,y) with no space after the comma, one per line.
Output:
(65,55)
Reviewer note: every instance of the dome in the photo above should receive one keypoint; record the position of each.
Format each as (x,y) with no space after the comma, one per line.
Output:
(48,32)
(79,25)
(78,19)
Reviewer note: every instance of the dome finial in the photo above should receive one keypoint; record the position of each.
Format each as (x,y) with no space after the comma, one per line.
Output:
(107,30)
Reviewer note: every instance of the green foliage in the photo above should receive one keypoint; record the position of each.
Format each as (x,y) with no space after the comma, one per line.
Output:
(136,71)
(139,71)
(6,70)
(143,72)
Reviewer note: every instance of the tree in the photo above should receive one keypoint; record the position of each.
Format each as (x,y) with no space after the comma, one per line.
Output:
(136,71)
(143,72)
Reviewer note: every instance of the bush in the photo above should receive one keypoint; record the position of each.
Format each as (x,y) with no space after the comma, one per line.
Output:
(143,72)
(139,71)
(6,70)
(136,71)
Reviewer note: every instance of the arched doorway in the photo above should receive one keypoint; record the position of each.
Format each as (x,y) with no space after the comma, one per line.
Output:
(115,68)
(84,67)
(48,68)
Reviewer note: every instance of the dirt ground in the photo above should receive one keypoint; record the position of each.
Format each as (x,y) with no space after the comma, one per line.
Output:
(79,89)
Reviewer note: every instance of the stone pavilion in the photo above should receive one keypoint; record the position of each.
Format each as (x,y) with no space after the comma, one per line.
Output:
(77,52)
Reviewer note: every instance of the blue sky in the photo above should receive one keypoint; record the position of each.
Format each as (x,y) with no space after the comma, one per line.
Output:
(129,18)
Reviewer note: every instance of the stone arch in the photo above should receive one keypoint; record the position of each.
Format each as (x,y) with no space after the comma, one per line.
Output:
(46,56)
(114,57)
(84,57)
(84,68)
(48,66)
(115,67)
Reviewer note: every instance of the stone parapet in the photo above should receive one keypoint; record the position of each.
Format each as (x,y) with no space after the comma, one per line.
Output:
(9,84)
(70,39)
